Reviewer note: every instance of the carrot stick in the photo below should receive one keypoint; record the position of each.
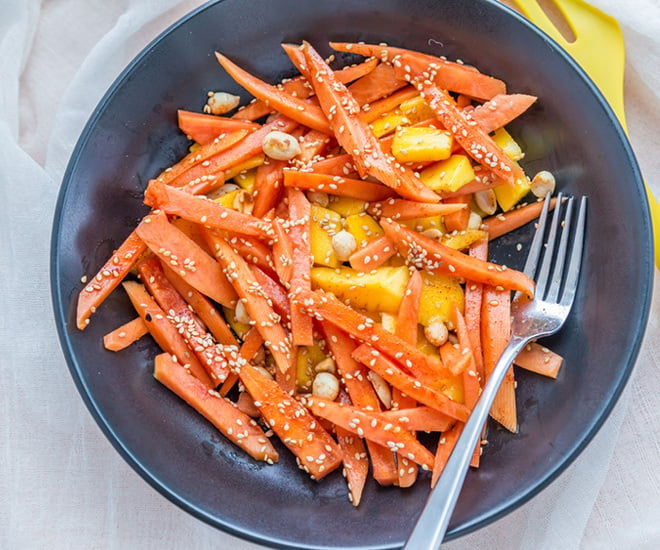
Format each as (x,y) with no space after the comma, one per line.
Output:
(268,186)
(358,422)
(194,265)
(312,145)
(108,277)
(408,316)
(401,209)
(356,463)
(203,211)
(420,391)
(458,220)
(253,250)
(274,291)
(501,224)
(251,344)
(539,359)
(317,453)
(282,253)
(326,307)
(290,106)
(235,425)
(385,105)
(338,165)
(125,335)
(299,233)
(446,445)
(164,332)
(473,301)
(455,359)
(379,83)
(425,253)
(204,128)
(354,135)
(375,253)
(500,110)
(337,185)
(451,76)
(418,419)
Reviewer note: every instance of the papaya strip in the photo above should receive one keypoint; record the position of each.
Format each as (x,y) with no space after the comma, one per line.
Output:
(204,128)
(379,83)
(274,291)
(500,110)
(455,359)
(268,186)
(250,346)
(354,135)
(235,425)
(338,165)
(317,452)
(425,253)
(364,329)
(360,423)
(473,299)
(290,106)
(539,359)
(164,332)
(446,445)
(501,224)
(375,253)
(282,253)
(459,219)
(418,390)
(108,278)
(204,211)
(125,335)
(385,105)
(401,209)
(194,265)
(199,340)
(312,146)
(418,419)
(337,185)
(356,463)
(408,317)
(253,250)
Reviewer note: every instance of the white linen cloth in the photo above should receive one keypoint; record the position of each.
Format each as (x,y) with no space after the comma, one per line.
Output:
(62,485)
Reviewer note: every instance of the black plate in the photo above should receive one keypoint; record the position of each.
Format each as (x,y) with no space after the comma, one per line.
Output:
(132,136)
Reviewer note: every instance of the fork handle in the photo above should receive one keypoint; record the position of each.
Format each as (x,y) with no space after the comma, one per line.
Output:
(432,524)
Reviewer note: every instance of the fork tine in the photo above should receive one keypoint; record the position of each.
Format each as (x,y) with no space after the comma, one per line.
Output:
(560,257)
(570,286)
(544,273)
(537,243)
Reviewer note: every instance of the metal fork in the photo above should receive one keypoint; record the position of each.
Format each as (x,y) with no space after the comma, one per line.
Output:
(556,283)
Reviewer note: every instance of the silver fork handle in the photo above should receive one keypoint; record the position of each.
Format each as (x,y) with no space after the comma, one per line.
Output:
(432,524)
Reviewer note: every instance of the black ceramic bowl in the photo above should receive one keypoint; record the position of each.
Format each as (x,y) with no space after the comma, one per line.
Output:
(132,136)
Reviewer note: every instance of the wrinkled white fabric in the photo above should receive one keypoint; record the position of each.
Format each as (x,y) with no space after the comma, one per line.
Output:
(62,485)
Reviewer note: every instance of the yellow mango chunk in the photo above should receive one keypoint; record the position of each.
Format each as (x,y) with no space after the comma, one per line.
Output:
(389,122)
(416,109)
(246,178)
(508,144)
(227,200)
(345,206)
(252,162)
(422,224)
(324,223)
(439,294)
(448,175)
(509,196)
(363,227)
(241,329)
(380,290)
(421,144)
(460,240)
(308,357)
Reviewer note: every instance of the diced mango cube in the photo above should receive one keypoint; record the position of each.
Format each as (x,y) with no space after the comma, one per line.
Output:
(363,227)
(439,295)
(252,162)
(508,144)
(460,240)
(380,290)
(416,109)
(389,122)
(509,195)
(324,223)
(308,357)
(422,224)
(448,175)
(345,206)
(245,179)
(421,144)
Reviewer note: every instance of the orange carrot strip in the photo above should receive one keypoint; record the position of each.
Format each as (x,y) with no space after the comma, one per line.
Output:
(418,419)
(446,445)
(356,463)
(99,287)
(401,209)
(354,135)
(164,332)
(425,253)
(495,334)
(256,302)
(125,335)
(268,186)
(235,425)
(539,359)
(458,220)
(312,145)
(203,307)
(251,344)
(385,105)
(327,307)
(194,265)
(422,392)
(379,83)
(218,146)
(282,253)
(408,316)
(209,353)
(449,75)
(215,166)
(337,185)
(358,422)
(338,165)
(290,106)
(456,360)
(274,291)
(473,299)
(501,224)
(362,395)
(500,110)
(299,228)
(253,250)
(317,452)
(204,128)
(376,252)
(203,211)
(476,143)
